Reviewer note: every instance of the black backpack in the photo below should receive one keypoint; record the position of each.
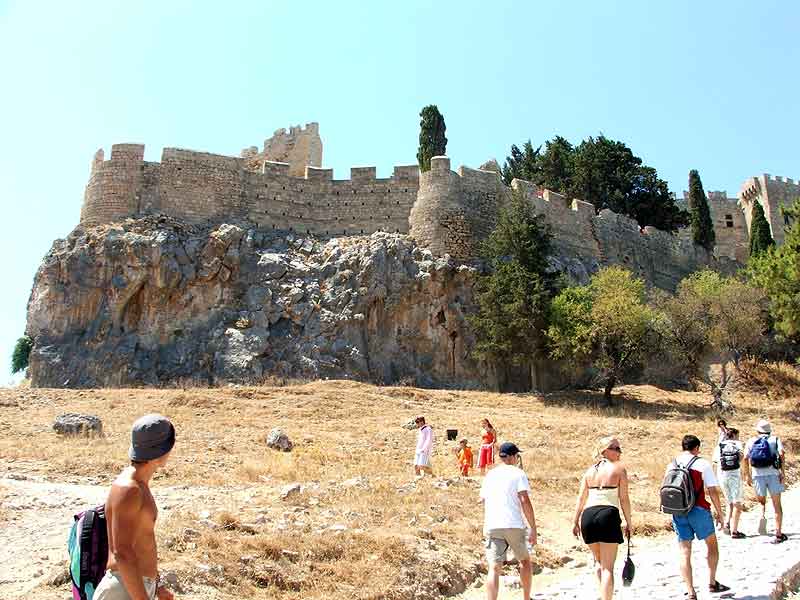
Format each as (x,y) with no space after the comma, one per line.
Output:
(677,490)
(728,456)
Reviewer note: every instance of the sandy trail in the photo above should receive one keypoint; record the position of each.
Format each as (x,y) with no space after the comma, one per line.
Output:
(752,567)
(36,516)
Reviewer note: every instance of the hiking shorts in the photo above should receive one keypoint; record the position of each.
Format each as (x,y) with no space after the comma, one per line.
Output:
(768,485)
(697,524)
(499,541)
(422,459)
(111,588)
(731,485)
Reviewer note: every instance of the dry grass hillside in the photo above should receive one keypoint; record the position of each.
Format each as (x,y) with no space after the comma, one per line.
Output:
(361,526)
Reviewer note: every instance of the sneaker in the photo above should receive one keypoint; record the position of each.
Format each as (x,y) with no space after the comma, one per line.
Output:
(738,535)
(779,539)
(762,526)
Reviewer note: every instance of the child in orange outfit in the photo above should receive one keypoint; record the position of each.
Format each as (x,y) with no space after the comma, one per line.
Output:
(464,457)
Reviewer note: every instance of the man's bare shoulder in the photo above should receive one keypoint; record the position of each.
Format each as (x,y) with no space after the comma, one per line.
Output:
(126,492)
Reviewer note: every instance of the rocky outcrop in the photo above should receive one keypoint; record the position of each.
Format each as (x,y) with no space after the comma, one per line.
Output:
(155,301)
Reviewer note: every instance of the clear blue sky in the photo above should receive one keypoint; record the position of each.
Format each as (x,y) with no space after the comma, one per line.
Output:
(706,85)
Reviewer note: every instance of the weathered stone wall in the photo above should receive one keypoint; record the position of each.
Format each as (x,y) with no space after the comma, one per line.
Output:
(199,187)
(772,193)
(730,226)
(454,211)
(299,147)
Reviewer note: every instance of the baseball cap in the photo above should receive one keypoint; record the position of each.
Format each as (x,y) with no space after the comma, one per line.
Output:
(152,436)
(763,426)
(509,449)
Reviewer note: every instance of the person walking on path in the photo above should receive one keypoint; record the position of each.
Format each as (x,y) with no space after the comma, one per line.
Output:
(603,492)
(505,494)
(765,472)
(722,430)
(488,440)
(132,569)
(698,523)
(422,454)
(464,457)
(728,457)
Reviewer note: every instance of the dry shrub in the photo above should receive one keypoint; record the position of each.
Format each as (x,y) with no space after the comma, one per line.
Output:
(777,380)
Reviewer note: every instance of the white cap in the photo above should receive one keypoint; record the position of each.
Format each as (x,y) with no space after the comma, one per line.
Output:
(763,426)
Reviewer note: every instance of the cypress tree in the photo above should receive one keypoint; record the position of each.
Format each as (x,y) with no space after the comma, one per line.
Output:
(760,234)
(432,141)
(700,215)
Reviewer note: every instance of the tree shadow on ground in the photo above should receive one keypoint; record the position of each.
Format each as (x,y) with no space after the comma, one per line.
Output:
(629,404)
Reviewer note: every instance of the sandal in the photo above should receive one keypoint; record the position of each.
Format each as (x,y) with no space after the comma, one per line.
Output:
(718,588)
(738,535)
(779,539)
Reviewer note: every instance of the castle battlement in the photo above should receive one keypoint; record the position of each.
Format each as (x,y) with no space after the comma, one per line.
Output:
(201,186)
(450,212)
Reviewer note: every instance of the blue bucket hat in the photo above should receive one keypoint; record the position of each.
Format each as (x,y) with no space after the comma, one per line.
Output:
(152,436)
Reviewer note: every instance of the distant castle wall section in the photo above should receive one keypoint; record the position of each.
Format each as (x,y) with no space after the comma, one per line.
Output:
(199,187)
(772,193)
(456,210)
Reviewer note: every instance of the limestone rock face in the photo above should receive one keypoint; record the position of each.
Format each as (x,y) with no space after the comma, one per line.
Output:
(155,301)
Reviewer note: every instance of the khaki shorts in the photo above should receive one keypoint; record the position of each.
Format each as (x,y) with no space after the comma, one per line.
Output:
(499,541)
(111,588)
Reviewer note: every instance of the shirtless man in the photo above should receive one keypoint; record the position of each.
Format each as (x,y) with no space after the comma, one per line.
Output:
(132,570)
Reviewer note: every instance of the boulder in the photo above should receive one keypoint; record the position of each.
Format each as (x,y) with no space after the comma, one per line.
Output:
(278,440)
(78,424)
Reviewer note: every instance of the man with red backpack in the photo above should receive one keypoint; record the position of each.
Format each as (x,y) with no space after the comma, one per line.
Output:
(764,470)
(683,495)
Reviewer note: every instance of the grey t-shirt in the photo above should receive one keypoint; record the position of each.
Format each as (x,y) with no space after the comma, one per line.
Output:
(777,448)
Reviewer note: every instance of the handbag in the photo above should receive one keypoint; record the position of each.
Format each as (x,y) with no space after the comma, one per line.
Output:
(629,570)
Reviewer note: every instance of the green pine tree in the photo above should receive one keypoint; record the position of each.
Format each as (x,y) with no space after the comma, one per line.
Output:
(700,215)
(432,141)
(760,234)
(22,352)
(513,299)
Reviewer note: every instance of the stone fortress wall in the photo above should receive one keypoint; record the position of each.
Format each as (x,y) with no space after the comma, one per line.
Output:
(772,193)
(455,210)
(284,187)
(199,187)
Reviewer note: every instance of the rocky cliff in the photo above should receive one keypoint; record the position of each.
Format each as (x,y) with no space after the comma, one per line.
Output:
(155,301)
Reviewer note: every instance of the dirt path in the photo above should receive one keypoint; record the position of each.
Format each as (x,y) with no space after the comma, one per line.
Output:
(752,567)
(35,517)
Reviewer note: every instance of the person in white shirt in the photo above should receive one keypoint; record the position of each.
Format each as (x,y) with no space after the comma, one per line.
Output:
(422,454)
(728,456)
(507,505)
(765,472)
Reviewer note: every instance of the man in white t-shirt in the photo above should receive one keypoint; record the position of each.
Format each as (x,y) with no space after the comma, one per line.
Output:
(507,504)
(764,471)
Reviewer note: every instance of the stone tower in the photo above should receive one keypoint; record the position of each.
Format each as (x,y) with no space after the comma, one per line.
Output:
(298,147)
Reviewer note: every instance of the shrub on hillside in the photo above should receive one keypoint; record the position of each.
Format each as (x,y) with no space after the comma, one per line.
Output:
(606,326)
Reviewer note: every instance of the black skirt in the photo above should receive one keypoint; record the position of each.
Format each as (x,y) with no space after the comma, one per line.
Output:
(601,524)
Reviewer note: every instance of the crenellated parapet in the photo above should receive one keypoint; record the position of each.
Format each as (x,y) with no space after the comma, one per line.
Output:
(200,187)
(772,193)
(455,211)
